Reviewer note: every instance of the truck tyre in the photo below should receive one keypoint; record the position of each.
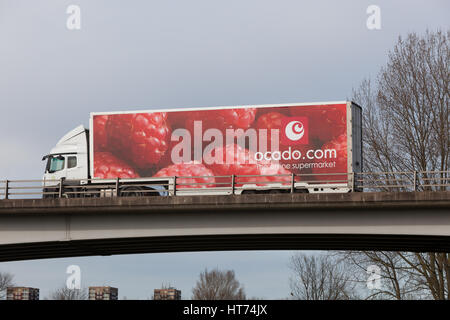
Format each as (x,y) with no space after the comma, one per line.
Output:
(275,191)
(73,195)
(132,192)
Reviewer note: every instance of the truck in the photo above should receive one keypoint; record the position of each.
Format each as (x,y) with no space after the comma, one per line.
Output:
(273,148)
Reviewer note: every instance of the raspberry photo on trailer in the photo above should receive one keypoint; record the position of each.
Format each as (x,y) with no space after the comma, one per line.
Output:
(233,159)
(140,138)
(100,136)
(270,120)
(241,118)
(193,174)
(293,158)
(324,167)
(166,160)
(289,143)
(107,166)
(326,122)
(262,111)
(259,148)
(238,118)
(294,131)
(271,172)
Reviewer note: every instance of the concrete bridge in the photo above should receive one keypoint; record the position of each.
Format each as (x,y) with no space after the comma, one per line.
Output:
(51,228)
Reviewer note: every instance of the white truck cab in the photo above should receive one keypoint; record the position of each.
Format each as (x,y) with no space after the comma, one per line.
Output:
(68,159)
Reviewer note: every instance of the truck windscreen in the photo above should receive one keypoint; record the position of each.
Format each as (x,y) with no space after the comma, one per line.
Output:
(55,164)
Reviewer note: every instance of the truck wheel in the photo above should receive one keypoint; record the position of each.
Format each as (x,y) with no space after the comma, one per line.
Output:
(275,191)
(73,195)
(131,192)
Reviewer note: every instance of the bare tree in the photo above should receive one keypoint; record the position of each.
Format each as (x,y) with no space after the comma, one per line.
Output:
(403,275)
(406,112)
(431,271)
(64,293)
(218,285)
(320,277)
(406,128)
(6,280)
(395,282)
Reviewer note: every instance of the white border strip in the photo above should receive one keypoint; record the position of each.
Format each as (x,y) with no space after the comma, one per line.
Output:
(222,107)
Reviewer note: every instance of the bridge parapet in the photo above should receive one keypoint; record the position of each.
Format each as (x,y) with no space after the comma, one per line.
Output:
(356,200)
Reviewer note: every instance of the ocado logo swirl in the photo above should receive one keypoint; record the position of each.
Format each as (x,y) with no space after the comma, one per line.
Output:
(294,130)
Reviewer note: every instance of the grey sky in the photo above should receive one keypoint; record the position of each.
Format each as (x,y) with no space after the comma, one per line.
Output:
(130,55)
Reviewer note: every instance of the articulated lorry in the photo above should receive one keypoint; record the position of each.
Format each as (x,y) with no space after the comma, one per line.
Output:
(299,147)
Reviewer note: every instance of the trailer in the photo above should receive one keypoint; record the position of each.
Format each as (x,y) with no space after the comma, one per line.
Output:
(296,147)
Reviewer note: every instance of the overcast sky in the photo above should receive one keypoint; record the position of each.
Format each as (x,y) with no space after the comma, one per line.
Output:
(131,55)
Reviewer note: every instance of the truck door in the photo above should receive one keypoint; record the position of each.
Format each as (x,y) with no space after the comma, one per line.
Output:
(73,169)
(55,170)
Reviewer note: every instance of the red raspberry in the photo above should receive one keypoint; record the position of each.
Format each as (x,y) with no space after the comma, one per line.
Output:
(100,137)
(340,145)
(273,169)
(107,166)
(271,120)
(222,119)
(325,122)
(141,138)
(197,171)
(234,118)
(233,159)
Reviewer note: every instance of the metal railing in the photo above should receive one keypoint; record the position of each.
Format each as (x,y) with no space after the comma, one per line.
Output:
(401,181)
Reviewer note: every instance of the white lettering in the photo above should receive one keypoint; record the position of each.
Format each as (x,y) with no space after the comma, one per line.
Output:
(74,20)
(374,20)
(215,134)
(181,152)
(74,280)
